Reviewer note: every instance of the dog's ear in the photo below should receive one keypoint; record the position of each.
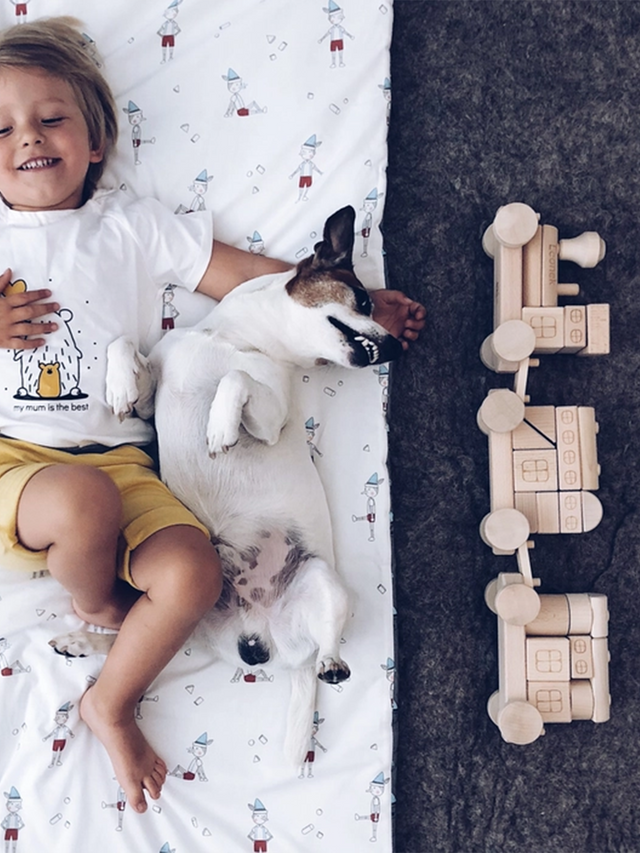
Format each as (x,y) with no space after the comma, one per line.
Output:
(336,249)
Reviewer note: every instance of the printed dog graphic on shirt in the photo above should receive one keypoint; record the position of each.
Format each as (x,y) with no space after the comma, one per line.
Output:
(53,370)
(227,418)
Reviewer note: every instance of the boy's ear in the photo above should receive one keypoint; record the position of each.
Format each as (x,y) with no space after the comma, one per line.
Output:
(96,155)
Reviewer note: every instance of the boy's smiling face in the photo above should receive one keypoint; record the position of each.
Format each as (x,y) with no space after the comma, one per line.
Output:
(45,151)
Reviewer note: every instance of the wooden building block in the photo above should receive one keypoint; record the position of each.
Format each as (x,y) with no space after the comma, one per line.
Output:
(543,418)
(535,471)
(600,681)
(548,659)
(581,657)
(500,470)
(552,699)
(598,341)
(600,610)
(592,511)
(571,512)
(581,613)
(532,271)
(582,700)
(525,502)
(507,287)
(537,431)
(575,328)
(588,430)
(548,325)
(548,512)
(549,265)
(568,444)
(553,619)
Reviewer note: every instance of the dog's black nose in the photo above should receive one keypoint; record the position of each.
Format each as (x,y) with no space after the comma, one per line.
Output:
(253,650)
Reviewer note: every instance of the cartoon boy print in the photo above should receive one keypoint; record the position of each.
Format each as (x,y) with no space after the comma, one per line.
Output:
(120,806)
(310,427)
(12,823)
(390,668)
(199,188)
(91,49)
(237,106)
(169,30)
(252,676)
(60,733)
(382,371)
(169,310)
(310,757)
(376,789)
(196,768)
(386,92)
(307,167)
(6,668)
(136,117)
(335,33)
(371,489)
(260,835)
(21,10)
(368,206)
(256,243)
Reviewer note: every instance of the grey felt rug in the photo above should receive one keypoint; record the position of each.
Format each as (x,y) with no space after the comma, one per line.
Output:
(497,101)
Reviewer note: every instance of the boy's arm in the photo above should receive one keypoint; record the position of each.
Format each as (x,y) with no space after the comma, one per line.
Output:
(229,267)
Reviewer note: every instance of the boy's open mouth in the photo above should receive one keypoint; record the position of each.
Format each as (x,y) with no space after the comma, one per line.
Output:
(38,163)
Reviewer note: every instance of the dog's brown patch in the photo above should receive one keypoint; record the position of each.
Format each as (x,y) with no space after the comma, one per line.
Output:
(313,289)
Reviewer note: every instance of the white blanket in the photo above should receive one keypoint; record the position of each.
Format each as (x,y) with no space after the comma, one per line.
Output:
(271,114)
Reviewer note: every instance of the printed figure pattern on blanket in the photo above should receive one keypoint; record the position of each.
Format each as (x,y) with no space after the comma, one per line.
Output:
(270,120)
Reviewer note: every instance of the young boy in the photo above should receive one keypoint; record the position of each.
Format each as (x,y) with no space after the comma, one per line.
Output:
(76,487)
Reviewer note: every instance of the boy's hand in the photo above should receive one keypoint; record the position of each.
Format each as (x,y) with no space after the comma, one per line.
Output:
(399,314)
(16,312)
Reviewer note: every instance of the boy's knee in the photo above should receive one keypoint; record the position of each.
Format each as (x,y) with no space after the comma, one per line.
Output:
(180,565)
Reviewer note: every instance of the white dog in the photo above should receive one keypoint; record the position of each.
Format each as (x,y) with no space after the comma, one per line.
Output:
(233,449)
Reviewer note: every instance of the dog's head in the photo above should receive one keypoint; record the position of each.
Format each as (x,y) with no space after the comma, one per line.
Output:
(336,307)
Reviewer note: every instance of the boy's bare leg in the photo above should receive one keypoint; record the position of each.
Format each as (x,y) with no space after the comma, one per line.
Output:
(179,570)
(74,511)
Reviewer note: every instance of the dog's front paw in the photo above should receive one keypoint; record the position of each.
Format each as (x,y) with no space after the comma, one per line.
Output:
(123,367)
(333,671)
(222,433)
(80,644)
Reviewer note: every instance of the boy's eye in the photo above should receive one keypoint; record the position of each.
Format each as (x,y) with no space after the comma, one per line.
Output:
(53,120)
(4,131)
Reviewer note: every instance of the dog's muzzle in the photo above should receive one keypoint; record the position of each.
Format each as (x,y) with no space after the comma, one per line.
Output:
(367,349)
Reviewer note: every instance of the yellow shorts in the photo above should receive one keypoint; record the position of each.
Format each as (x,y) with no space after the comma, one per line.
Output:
(147,504)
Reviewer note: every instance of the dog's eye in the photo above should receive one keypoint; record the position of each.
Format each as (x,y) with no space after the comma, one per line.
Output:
(363,301)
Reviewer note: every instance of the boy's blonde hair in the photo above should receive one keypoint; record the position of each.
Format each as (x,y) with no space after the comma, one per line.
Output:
(57,46)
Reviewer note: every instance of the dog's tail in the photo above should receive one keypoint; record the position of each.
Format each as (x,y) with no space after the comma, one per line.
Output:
(302,706)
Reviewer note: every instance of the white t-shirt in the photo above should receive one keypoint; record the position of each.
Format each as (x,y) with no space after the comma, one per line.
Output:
(106,265)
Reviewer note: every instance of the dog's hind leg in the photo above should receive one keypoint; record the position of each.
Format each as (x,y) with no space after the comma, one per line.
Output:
(322,605)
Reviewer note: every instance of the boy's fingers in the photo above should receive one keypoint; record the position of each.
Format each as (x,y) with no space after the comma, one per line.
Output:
(26,343)
(5,279)
(27,297)
(32,312)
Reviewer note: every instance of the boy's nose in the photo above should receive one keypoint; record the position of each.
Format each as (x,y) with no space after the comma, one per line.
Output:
(32,135)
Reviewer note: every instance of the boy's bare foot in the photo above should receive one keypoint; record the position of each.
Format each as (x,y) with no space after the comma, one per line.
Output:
(113,613)
(137,767)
